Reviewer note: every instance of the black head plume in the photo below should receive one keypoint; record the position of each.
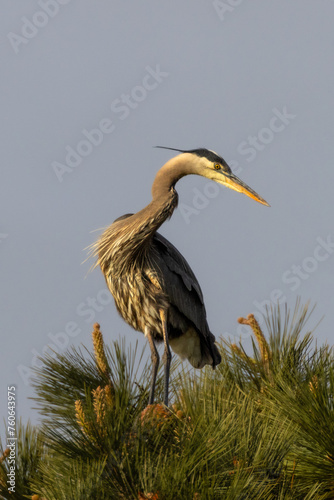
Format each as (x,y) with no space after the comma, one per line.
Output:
(173,149)
(206,153)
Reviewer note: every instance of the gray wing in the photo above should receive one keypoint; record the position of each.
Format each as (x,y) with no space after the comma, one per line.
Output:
(183,290)
(178,264)
(180,284)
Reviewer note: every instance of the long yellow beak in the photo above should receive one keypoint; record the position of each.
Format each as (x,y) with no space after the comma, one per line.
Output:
(233,182)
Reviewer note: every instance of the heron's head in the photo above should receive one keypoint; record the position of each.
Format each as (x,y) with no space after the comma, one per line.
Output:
(209,164)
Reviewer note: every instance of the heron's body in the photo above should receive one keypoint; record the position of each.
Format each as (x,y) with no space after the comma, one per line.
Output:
(149,287)
(154,288)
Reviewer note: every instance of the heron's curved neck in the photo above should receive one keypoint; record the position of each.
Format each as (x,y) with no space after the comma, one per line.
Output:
(164,196)
(126,240)
(169,174)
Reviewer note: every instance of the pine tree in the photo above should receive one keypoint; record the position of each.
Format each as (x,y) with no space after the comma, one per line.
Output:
(260,426)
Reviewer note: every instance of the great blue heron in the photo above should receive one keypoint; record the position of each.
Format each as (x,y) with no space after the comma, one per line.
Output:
(154,288)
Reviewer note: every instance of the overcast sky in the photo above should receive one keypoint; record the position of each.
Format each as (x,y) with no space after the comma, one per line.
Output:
(88,88)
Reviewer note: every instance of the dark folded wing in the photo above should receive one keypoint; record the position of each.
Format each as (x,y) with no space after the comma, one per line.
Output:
(180,283)
(183,290)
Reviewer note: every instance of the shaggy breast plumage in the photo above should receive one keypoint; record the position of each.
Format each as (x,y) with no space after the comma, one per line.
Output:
(137,299)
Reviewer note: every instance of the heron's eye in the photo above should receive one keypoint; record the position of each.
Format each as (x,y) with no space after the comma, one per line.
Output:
(217,166)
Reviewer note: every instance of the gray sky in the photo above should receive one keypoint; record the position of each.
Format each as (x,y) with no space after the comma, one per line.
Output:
(88,88)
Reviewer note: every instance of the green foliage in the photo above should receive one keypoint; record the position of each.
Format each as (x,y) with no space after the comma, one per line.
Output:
(260,426)
(30,453)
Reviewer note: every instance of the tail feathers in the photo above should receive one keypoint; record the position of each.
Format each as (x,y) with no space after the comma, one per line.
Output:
(192,347)
(216,356)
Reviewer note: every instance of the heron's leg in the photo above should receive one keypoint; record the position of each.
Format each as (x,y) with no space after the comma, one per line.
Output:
(155,363)
(167,354)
